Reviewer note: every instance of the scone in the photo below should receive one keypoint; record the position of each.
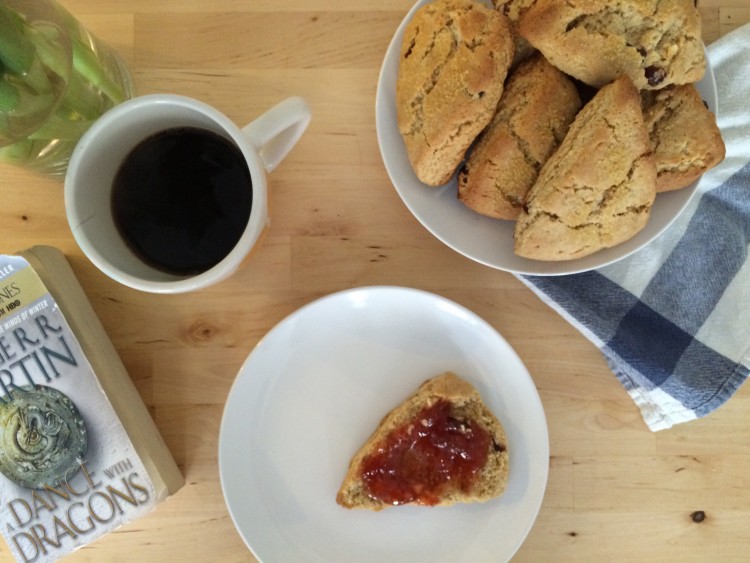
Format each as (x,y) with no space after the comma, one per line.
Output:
(513,10)
(455,56)
(684,135)
(439,447)
(537,107)
(655,42)
(597,189)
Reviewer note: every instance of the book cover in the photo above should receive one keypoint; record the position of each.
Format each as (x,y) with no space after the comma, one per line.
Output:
(69,470)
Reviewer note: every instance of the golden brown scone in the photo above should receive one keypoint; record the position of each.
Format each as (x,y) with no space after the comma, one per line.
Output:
(684,135)
(513,10)
(465,405)
(537,107)
(455,56)
(597,189)
(655,42)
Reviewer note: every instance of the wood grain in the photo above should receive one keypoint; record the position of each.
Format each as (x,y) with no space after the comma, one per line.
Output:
(616,490)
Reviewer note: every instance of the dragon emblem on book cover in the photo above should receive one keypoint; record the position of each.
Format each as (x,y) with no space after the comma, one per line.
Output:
(43,438)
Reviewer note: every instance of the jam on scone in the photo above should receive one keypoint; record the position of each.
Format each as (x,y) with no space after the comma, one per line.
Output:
(439,447)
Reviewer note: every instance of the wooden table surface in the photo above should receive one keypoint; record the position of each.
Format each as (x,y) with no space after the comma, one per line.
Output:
(616,490)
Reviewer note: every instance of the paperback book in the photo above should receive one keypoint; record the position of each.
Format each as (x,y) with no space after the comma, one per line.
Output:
(79,452)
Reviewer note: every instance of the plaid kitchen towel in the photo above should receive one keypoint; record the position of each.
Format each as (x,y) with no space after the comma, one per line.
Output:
(673,319)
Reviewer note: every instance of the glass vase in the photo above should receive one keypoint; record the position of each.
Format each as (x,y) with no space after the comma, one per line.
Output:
(56,79)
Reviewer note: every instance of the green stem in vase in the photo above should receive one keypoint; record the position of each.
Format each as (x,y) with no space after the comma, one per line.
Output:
(79,99)
(59,127)
(86,64)
(16,51)
(9,96)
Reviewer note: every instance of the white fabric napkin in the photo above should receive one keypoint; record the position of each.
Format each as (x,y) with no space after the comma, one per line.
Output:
(673,319)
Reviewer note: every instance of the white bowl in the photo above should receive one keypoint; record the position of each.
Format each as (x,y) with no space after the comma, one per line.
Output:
(483,239)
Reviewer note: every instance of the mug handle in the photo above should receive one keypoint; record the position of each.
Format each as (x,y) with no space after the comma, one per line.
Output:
(274,133)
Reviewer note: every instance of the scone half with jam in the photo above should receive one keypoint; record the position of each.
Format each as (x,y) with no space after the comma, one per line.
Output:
(439,447)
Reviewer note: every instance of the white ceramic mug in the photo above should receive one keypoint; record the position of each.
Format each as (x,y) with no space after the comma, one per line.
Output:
(97,157)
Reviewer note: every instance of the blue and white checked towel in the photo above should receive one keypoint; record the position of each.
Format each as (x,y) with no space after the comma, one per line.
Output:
(673,319)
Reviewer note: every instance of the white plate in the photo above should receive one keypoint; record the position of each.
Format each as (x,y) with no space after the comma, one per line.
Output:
(483,239)
(316,386)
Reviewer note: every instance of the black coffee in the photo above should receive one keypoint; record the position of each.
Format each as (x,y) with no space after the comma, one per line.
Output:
(182,198)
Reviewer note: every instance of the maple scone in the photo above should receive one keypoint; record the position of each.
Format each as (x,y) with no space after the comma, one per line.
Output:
(655,42)
(439,447)
(684,134)
(537,107)
(597,189)
(454,59)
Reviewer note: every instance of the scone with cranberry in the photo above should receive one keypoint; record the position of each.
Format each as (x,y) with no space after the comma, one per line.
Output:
(655,42)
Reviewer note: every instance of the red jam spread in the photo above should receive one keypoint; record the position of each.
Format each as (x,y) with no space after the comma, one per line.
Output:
(419,461)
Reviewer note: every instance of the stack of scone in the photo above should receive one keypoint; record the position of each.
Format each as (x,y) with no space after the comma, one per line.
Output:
(568,115)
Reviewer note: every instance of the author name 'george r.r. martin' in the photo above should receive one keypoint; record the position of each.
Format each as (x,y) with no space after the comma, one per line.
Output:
(31,354)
